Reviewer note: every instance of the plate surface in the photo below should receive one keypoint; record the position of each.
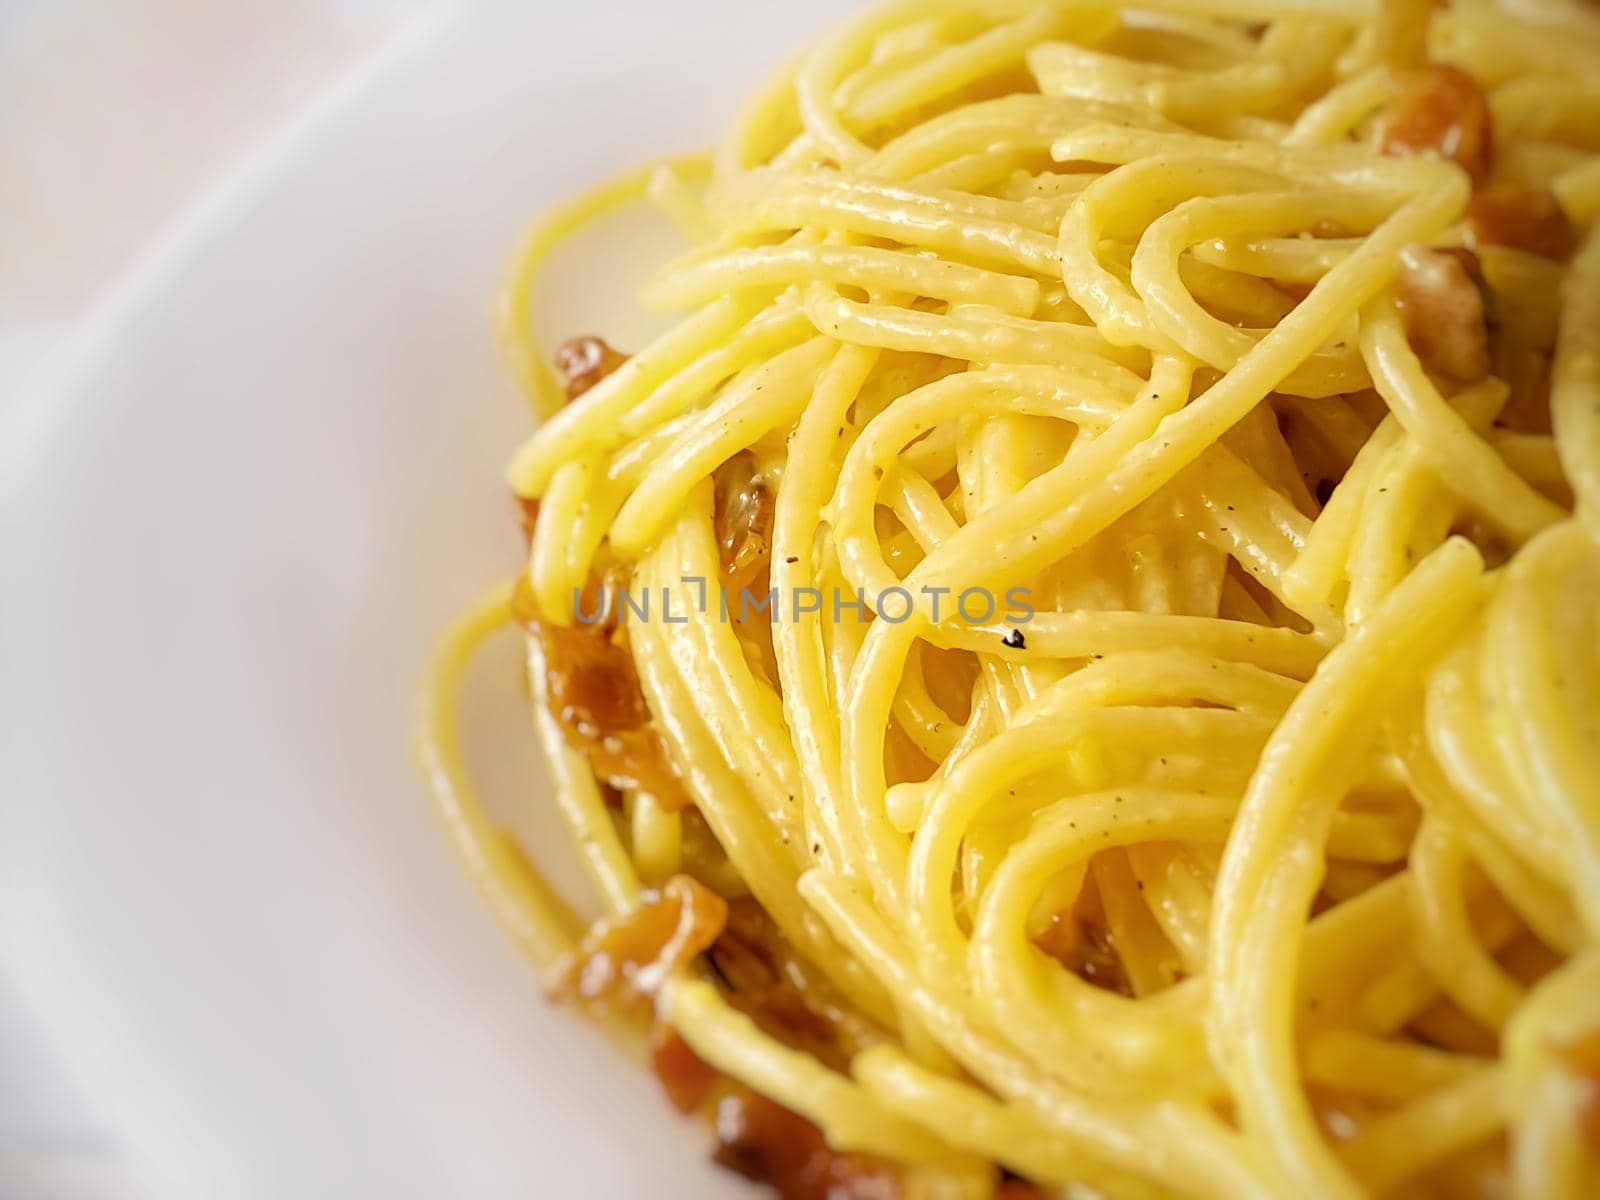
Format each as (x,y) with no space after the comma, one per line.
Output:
(232,526)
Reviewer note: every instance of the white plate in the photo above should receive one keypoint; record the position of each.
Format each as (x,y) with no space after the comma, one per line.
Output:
(231,529)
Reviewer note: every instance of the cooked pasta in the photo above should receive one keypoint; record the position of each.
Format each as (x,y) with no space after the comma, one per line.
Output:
(1074,668)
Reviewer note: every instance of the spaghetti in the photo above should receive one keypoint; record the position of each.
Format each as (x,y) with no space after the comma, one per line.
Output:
(1230,371)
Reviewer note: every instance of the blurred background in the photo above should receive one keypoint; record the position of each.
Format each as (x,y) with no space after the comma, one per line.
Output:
(116,116)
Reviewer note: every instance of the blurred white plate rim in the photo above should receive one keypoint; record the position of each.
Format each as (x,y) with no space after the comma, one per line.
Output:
(28,418)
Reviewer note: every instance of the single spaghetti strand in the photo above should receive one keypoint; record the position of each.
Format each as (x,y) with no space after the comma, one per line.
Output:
(524,903)
(1575,390)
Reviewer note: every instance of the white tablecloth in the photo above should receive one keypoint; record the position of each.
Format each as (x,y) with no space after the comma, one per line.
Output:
(115,115)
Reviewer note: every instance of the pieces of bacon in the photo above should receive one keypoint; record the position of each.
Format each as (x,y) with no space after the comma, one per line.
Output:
(757,1137)
(624,960)
(527,516)
(585,361)
(687,1078)
(596,697)
(1440,110)
(594,689)
(753,963)
(766,1142)
(1083,945)
(1524,218)
(1443,301)
(743,522)
(1014,1188)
